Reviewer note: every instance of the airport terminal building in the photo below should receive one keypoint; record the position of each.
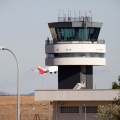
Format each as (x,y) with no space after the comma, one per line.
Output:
(75,49)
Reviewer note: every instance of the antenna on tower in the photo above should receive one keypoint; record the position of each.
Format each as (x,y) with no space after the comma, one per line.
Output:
(64,17)
(81,18)
(59,16)
(85,13)
(68,16)
(90,20)
(90,12)
(79,15)
(74,14)
(68,13)
(63,13)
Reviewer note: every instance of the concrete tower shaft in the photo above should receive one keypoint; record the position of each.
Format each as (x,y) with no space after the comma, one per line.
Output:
(75,49)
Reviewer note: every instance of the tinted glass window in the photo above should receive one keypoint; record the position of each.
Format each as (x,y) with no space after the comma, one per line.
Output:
(77,34)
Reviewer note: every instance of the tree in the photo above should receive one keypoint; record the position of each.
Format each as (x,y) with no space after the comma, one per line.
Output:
(116,85)
(109,112)
(116,101)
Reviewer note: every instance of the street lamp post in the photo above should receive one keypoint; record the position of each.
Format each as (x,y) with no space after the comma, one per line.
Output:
(18,83)
(85,110)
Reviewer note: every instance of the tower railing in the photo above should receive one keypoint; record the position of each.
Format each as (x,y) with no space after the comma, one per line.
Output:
(74,19)
(75,42)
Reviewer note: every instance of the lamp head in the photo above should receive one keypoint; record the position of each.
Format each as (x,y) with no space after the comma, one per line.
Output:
(2,48)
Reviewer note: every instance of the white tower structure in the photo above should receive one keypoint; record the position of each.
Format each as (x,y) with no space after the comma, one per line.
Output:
(75,49)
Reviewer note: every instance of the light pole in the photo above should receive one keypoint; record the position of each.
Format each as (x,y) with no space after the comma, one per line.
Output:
(85,110)
(18,83)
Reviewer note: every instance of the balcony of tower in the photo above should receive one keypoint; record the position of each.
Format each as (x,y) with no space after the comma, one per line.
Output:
(75,53)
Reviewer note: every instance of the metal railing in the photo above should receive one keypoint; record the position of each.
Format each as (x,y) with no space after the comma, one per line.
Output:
(74,19)
(75,42)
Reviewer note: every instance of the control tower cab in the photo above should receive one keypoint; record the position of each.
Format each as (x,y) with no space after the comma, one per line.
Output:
(75,49)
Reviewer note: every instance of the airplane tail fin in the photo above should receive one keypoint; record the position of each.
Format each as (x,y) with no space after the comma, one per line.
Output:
(41,70)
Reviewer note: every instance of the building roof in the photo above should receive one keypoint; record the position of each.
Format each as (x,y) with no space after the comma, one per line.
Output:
(77,95)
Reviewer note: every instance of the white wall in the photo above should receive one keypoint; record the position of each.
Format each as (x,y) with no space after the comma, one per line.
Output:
(70,48)
(75,48)
(76,95)
(76,61)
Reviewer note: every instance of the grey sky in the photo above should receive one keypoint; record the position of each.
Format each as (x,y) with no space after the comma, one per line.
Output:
(24,28)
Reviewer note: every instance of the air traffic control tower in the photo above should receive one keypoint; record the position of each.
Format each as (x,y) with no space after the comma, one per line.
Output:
(75,49)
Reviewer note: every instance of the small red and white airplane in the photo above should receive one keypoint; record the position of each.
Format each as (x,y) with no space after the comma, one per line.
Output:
(52,69)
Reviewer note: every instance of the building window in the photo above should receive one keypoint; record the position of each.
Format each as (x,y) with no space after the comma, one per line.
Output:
(76,33)
(59,55)
(69,109)
(90,109)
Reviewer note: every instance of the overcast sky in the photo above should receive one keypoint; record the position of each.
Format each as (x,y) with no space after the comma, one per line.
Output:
(24,29)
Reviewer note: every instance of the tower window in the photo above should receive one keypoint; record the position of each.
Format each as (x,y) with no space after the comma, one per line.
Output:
(77,34)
